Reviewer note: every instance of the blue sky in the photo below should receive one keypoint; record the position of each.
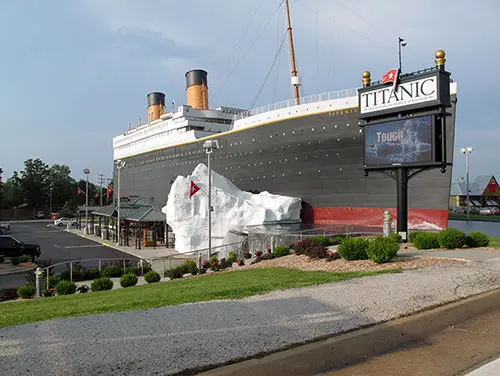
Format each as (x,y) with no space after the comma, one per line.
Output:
(75,73)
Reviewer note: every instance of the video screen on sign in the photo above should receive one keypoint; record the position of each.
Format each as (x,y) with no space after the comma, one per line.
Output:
(400,141)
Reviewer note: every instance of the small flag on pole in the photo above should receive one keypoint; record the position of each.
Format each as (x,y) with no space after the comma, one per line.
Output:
(193,188)
(79,192)
(109,191)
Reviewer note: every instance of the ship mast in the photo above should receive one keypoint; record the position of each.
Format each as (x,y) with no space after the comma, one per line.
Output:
(295,77)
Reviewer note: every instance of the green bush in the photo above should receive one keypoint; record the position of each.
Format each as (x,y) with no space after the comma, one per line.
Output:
(426,240)
(101,284)
(65,288)
(128,280)
(413,234)
(152,277)
(395,237)
(26,292)
(451,238)
(382,249)
(112,271)
(320,240)
(91,274)
(233,257)
(353,249)
(25,258)
(53,281)
(131,270)
(2,259)
(337,239)
(477,239)
(175,273)
(282,250)
(15,260)
(190,267)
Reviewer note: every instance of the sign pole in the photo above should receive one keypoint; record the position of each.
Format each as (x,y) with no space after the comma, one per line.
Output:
(402,194)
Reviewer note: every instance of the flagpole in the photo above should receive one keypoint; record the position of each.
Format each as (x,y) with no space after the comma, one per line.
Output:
(86,172)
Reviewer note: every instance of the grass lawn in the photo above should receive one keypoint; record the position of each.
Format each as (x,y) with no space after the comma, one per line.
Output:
(229,285)
(494,242)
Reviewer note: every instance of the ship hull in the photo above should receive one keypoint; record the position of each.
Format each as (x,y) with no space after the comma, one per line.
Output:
(315,157)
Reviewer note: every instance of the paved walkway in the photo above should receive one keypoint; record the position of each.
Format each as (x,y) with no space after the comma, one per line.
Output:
(169,340)
(462,254)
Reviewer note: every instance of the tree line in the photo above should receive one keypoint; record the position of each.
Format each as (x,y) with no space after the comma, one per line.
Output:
(38,185)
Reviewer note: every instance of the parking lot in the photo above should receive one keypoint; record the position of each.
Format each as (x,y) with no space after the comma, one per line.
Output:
(57,246)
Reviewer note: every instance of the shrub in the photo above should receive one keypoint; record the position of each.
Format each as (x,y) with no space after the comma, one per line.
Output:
(65,288)
(128,280)
(83,289)
(2,259)
(353,249)
(240,262)
(258,253)
(331,256)
(91,274)
(426,240)
(203,271)
(26,292)
(233,257)
(320,240)
(382,249)
(152,277)
(15,260)
(395,237)
(24,258)
(302,246)
(175,273)
(247,255)
(190,267)
(8,294)
(337,239)
(101,284)
(53,281)
(317,252)
(451,238)
(111,271)
(223,263)
(282,250)
(477,239)
(413,235)
(131,270)
(205,264)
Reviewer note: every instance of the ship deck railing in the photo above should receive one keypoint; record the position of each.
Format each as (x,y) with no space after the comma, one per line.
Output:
(315,98)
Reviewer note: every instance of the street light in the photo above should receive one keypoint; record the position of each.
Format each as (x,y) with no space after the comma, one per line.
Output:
(86,171)
(119,165)
(403,43)
(467,150)
(210,146)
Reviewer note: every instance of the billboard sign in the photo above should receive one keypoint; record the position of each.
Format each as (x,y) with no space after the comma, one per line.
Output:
(401,142)
(424,90)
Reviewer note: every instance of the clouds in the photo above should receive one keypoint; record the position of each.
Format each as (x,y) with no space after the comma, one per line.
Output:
(110,53)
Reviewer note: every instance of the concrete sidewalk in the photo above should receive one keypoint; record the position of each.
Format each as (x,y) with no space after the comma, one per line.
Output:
(459,254)
(148,253)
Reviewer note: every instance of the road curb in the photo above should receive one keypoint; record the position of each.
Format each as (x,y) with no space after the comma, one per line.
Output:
(17,271)
(94,240)
(343,350)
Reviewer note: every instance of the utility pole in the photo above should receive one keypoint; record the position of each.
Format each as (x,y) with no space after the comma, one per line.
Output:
(101,182)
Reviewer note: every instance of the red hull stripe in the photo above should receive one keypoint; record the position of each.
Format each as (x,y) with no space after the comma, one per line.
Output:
(417,218)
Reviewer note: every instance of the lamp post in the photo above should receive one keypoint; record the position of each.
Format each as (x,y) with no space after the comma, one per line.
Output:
(210,146)
(467,150)
(401,42)
(119,165)
(86,171)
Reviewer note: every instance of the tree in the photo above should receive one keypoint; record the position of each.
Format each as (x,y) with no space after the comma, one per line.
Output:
(62,184)
(34,181)
(13,191)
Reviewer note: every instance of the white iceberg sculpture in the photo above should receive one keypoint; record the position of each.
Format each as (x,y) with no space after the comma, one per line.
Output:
(233,209)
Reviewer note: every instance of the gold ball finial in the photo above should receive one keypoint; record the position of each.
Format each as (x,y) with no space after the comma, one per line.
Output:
(440,57)
(366,78)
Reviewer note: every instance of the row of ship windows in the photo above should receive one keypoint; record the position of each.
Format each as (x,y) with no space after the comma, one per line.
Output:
(254,164)
(277,134)
(229,155)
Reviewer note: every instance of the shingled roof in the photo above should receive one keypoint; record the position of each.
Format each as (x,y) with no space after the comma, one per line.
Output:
(132,209)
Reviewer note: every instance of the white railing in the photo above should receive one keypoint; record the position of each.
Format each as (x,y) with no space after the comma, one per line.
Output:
(339,94)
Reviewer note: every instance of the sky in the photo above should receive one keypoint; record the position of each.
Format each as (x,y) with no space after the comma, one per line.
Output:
(75,73)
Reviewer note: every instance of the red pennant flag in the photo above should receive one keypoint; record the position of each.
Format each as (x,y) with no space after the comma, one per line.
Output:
(109,191)
(193,188)
(97,195)
(390,76)
(79,192)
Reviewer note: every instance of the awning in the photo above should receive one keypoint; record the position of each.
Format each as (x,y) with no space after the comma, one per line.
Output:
(492,203)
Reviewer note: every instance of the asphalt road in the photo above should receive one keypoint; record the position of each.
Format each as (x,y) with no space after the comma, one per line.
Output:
(57,246)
